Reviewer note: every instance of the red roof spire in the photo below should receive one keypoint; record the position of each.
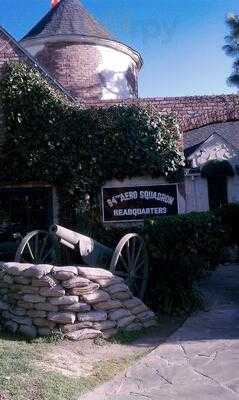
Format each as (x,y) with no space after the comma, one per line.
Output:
(54,2)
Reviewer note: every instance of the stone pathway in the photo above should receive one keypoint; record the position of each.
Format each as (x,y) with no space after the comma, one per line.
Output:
(200,361)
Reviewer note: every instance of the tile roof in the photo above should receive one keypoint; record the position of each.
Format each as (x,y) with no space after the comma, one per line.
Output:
(192,112)
(68,17)
(229,130)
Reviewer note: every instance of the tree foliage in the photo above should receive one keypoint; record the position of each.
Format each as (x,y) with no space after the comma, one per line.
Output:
(232,47)
(48,139)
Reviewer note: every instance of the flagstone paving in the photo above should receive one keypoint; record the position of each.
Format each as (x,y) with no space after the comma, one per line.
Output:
(200,361)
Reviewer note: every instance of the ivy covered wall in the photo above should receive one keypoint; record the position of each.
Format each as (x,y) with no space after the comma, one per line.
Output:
(78,148)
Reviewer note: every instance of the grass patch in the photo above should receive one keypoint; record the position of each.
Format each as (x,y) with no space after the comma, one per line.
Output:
(54,338)
(108,369)
(125,337)
(21,377)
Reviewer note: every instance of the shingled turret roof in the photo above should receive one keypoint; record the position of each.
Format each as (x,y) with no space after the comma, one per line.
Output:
(68,17)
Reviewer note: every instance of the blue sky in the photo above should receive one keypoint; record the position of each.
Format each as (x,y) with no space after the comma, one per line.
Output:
(180,40)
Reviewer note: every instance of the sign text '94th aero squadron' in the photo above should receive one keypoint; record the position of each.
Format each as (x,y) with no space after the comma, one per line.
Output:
(139,202)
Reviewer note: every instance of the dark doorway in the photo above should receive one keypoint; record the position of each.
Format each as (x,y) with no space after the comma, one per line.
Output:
(27,207)
(217,191)
(22,210)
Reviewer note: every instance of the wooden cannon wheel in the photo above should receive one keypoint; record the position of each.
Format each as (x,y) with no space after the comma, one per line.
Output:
(130,261)
(38,247)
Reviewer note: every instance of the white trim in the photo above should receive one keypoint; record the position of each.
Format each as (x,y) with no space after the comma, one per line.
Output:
(83,39)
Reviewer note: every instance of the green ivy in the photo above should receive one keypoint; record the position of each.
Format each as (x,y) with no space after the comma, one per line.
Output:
(78,148)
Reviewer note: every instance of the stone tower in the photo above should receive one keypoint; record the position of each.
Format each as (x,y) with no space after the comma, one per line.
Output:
(78,52)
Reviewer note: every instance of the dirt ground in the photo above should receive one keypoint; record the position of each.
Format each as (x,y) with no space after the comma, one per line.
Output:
(78,359)
(46,369)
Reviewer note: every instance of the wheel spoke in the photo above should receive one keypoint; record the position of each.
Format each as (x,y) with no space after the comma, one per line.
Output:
(36,247)
(124,262)
(130,256)
(138,266)
(133,249)
(138,253)
(43,247)
(50,251)
(128,253)
(30,251)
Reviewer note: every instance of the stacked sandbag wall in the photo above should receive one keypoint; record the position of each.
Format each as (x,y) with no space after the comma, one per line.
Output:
(81,302)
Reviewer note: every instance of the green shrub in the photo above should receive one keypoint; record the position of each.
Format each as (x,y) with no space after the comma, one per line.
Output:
(181,248)
(229,215)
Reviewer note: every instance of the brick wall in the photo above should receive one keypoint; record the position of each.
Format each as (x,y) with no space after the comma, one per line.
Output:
(73,68)
(7,50)
(192,111)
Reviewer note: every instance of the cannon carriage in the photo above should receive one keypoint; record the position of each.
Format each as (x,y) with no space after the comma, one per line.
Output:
(128,260)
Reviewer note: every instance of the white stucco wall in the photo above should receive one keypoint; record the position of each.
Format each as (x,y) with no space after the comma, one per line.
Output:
(117,70)
(221,143)
(233,189)
(196,194)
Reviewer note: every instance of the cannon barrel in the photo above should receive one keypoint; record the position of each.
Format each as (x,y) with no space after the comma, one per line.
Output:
(74,240)
(92,252)
(67,236)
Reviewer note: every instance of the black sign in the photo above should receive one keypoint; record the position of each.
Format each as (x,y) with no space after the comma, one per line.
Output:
(139,202)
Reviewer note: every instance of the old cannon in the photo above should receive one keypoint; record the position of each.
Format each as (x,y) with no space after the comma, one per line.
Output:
(128,260)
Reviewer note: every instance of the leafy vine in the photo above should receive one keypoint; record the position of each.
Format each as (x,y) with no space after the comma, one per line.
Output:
(76,147)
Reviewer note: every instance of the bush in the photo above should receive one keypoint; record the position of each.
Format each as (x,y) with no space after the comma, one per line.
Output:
(181,248)
(229,215)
